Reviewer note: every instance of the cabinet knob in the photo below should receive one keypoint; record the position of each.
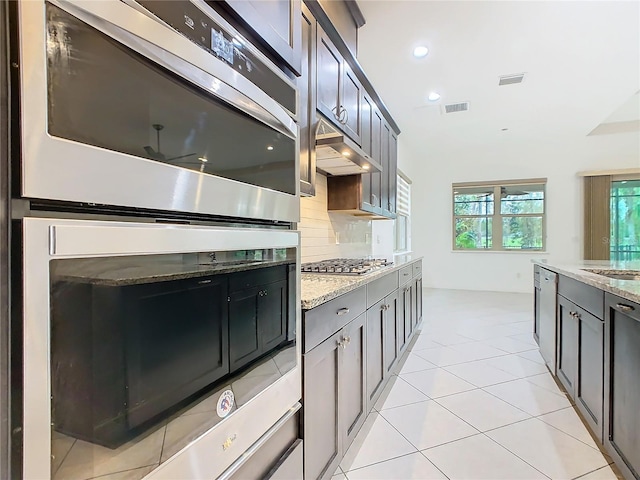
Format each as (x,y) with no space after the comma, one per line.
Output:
(624,307)
(342,311)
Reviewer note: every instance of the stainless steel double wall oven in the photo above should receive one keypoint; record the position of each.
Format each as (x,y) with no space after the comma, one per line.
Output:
(160,282)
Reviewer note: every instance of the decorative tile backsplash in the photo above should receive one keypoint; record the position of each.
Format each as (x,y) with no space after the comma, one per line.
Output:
(330,235)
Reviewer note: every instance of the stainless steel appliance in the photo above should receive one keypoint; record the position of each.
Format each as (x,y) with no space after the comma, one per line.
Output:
(158,106)
(346,266)
(548,325)
(161,351)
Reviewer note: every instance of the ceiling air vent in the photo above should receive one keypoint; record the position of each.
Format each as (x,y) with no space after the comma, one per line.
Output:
(511,79)
(456,107)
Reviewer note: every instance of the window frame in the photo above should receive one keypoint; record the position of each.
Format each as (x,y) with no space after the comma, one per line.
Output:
(497,216)
(401,176)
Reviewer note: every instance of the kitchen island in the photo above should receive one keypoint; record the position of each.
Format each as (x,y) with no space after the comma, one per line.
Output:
(355,331)
(587,323)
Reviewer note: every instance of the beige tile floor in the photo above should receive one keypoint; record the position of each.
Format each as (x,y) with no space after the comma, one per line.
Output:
(473,400)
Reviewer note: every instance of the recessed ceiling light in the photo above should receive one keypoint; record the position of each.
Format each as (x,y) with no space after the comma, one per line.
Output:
(203,159)
(433,96)
(270,147)
(420,51)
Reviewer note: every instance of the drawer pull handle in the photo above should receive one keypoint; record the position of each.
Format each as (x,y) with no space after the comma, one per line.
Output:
(624,307)
(342,311)
(575,315)
(405,274)
(203,282)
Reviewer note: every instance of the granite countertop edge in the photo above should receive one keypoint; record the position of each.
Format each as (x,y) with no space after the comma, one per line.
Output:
(317,289)
(627,289)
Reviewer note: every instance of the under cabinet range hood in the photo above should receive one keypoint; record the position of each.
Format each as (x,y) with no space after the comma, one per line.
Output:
(337,154)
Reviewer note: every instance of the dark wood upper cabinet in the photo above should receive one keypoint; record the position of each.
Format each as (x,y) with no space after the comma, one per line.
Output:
(351,104)
(329,76)
(393,172)
(275,23)
(307,105)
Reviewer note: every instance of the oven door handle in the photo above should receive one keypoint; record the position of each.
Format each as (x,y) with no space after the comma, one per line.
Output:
(162,45)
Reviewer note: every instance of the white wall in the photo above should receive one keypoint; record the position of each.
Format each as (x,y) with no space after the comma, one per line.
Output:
(434,172)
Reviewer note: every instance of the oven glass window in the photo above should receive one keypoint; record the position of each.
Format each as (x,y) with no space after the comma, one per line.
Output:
(150,352)
(101,93)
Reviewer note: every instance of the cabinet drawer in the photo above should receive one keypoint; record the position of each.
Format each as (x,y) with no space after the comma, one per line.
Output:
(417,269)
(381,287)
(272,450)
(627,307)
(257,277)
(323,321)
(585,296)
(405,275)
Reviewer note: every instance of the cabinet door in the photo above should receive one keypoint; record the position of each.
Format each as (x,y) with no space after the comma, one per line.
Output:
(414,305)
(393,172)
(272,315)
(322,437)
(376,151)
(352,373)
(376,319)
(244,335)
(567,344)
(276,24)
(307,105)
(418,300)
(350,104)
(622,392)
(400,321)
(384,161)
(391,332)
(366,120)
(329,77)
(366,139)
(589,385)
(406,313)
(536,314)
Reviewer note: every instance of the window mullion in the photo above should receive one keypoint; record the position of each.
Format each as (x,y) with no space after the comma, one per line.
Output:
(496,223)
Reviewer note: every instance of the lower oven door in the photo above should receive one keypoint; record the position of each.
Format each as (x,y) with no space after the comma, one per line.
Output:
(129,341)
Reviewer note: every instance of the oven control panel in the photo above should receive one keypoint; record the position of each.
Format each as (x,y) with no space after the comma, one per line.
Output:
(199,27)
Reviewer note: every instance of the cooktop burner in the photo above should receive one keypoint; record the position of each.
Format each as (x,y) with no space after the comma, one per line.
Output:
(345,266)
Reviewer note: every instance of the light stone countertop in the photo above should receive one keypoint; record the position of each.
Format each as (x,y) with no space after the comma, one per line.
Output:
(320,288)
(628,289)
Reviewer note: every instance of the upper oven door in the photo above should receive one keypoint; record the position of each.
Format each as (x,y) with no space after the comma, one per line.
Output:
(120,109)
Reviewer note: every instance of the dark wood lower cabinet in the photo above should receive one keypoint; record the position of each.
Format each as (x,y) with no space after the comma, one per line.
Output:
(376,316)
(392,331)
(322,434)
(622,384)
(334,397)
(567,344)
(353,373)
(344,375)
(589,384)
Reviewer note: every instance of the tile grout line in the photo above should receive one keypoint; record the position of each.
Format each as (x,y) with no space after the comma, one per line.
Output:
(517,456)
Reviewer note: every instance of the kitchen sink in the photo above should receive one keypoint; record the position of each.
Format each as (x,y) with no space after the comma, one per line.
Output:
(632,275)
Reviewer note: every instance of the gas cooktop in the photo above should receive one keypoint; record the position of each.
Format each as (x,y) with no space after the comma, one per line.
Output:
(346,266)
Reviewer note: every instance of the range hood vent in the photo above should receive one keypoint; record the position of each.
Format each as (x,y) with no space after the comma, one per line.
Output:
(337,154)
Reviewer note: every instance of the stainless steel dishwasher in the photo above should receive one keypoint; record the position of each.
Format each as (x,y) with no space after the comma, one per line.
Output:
(548,324)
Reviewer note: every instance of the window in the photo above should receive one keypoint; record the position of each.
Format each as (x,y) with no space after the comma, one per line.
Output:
(402,237)
(625,220)
(506,216)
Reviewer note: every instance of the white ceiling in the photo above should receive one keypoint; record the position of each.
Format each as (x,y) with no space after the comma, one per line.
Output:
(581,58)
